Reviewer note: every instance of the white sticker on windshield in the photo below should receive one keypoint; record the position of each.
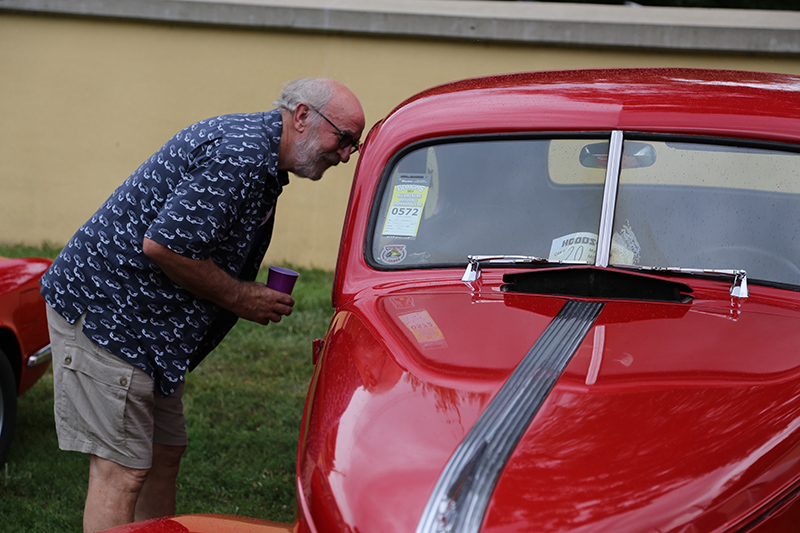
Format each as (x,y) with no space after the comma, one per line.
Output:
(405,208)
(575,247)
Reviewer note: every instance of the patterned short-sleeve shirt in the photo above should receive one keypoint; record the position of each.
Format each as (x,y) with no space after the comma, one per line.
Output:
(209,192)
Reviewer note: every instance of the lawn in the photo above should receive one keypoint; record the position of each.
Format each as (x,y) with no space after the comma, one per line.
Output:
(243,408)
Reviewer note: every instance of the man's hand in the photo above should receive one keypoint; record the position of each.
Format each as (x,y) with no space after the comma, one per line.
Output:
(247,299)
(259,303)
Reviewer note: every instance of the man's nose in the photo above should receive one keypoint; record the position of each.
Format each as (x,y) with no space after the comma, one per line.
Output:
(344,154)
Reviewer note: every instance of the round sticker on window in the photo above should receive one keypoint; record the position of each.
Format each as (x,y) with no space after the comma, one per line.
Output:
(393,253)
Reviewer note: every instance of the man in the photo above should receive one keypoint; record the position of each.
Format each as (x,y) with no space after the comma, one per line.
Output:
(158,276)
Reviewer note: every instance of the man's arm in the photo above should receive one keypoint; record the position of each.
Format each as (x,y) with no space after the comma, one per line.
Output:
(247,299)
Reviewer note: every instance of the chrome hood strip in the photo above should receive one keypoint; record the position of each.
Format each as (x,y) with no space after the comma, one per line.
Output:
(462,493)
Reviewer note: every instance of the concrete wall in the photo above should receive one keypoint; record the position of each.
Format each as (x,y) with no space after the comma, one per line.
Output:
(90,88)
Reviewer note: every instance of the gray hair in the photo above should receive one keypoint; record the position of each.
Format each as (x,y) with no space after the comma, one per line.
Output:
(315,92)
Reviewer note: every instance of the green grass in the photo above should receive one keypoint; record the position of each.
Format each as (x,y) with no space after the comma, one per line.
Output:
(243,408)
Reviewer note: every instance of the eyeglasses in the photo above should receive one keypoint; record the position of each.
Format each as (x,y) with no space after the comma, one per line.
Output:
(345,139)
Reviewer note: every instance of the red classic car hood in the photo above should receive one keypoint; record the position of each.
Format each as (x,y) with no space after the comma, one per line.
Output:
(656,422)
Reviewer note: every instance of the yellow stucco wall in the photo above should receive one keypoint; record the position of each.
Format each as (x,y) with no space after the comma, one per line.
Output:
(84,101)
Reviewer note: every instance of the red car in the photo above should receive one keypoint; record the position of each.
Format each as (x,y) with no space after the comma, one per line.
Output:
(565,301)
(24,339)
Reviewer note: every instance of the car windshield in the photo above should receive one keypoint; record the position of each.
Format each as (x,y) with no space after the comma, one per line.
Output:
(674,202)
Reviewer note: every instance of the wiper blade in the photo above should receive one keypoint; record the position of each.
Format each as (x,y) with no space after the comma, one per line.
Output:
(738,288)
(473,271)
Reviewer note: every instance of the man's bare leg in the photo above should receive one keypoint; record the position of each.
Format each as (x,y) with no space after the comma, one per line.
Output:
(157,497)
(111,498)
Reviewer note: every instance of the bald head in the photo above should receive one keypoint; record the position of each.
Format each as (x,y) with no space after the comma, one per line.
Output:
(321,94)
(343,100)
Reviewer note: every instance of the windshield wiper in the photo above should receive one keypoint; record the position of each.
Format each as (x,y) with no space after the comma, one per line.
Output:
(473,271)
(738,288)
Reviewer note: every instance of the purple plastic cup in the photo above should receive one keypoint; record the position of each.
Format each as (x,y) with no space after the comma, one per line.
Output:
(281,279)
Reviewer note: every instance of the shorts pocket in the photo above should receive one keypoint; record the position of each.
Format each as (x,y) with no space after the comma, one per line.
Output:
(94,392)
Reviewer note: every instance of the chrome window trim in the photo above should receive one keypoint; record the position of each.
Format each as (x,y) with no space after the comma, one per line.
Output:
(609,199)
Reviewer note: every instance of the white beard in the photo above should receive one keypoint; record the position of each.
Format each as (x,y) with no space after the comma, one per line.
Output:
(313,162)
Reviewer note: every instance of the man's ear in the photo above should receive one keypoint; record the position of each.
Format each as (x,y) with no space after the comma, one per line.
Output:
(300,118)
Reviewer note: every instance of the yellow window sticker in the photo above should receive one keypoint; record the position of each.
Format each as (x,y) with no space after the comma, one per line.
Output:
(408,201)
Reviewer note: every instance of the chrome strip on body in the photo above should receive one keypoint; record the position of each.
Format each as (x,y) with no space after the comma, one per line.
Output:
(463,491)
(40,357)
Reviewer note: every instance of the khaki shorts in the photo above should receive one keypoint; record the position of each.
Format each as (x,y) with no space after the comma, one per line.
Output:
(105,406)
